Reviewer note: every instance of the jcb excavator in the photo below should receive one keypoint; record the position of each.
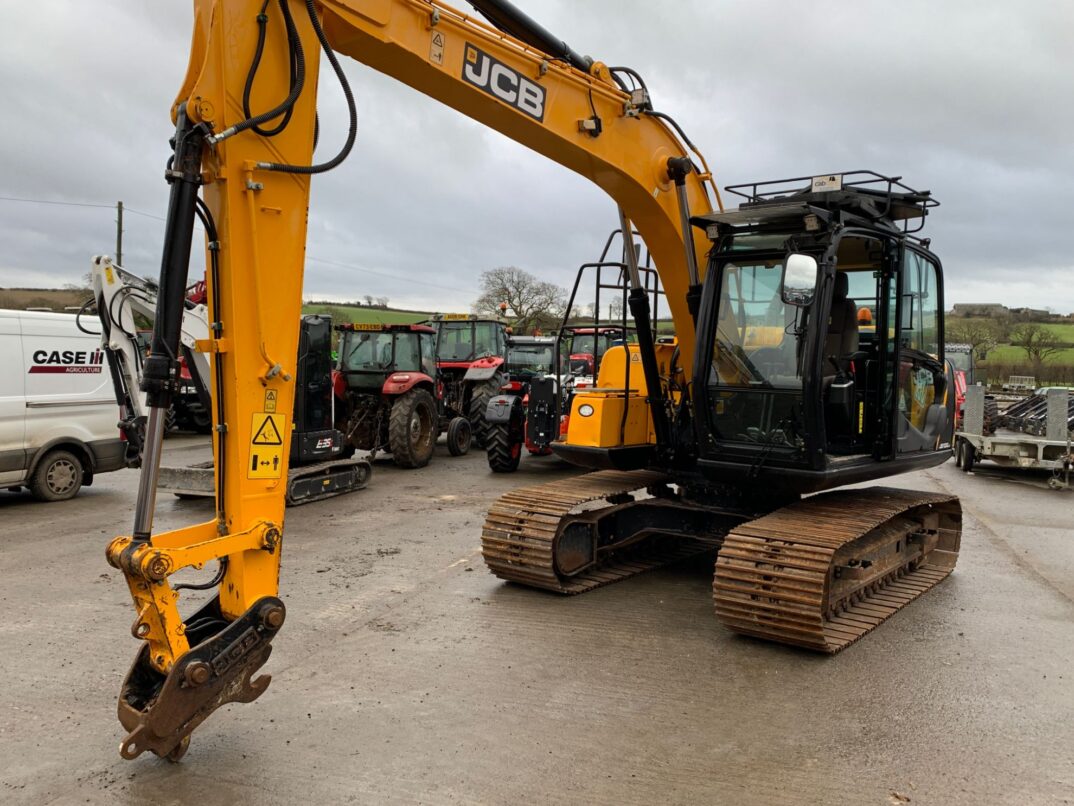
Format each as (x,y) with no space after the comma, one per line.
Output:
(715,438)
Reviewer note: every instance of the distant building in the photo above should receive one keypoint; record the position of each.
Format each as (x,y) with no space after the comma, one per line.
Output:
(980,309)
(1031,313)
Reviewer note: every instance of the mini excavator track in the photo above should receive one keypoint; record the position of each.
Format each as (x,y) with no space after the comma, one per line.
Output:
(520,540)
(823,572)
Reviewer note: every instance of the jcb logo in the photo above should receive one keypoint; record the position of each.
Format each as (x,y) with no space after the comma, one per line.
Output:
(500,81)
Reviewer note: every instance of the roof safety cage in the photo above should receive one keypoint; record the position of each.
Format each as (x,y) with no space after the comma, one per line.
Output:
(866,193)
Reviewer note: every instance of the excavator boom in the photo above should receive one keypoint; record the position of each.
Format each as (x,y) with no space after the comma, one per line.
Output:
(242,163)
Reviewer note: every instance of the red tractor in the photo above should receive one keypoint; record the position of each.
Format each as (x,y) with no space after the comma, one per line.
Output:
(390,396)
(470,352)
(586,346)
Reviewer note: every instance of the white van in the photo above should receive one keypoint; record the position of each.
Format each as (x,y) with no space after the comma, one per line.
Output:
(58,410)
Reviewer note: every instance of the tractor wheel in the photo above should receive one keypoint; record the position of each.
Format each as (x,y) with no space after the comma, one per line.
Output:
(57,477)
(459,436)
(412,428)
(479,404)
(503,453)
(958,453)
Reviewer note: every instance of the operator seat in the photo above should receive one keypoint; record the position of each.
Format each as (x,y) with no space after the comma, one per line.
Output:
(841,343)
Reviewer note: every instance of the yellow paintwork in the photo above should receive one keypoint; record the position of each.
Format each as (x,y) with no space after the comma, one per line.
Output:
(601,429)
(261,219)
(604,427)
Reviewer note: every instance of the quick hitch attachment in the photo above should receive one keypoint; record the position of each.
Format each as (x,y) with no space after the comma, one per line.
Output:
(187,668)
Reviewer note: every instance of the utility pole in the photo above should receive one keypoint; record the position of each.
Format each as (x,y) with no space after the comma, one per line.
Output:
(119,233)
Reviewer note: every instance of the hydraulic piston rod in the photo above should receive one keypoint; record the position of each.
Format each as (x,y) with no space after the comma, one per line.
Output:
(161,372)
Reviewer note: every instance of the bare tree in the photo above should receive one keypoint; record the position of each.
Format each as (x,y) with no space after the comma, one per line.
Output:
(615,309)
(368,300)
(980,334)
(382,302)
(1003,325)
(530,301)
(1039,343)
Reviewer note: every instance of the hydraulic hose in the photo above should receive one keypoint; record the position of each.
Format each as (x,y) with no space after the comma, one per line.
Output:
(352,132)
(292,41)
(299,65)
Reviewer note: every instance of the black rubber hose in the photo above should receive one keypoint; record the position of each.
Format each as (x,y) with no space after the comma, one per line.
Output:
(634,74)
(351,108)
(299,62)
(78,317)
(292,38)
(204,586)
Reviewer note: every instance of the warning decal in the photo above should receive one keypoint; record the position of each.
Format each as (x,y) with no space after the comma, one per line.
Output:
(267,433)
(436,49)
(270,400)
(266,446)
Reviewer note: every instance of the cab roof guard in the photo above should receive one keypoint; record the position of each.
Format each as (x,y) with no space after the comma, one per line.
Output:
(865,193)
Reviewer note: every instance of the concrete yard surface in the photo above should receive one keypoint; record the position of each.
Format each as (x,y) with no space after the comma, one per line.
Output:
(406,673)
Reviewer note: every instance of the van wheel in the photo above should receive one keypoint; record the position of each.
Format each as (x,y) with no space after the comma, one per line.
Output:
(57,477)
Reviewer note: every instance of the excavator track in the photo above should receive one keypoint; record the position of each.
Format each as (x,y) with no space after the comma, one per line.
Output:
(518,540)
(825,571)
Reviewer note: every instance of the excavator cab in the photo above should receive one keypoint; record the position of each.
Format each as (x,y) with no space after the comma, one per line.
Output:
(823,313)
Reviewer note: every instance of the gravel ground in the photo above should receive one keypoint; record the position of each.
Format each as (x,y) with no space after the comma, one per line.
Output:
(407,674)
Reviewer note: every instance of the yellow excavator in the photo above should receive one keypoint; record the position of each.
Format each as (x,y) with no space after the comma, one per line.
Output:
(767,394)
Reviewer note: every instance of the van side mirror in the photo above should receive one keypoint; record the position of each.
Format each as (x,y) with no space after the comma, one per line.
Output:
(799,279)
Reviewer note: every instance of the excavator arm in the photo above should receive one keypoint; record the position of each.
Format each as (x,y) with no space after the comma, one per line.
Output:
(242,163)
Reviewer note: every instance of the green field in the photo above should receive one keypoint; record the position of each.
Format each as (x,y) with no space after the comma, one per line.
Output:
(366,316)
(1063,330)
(1009,354)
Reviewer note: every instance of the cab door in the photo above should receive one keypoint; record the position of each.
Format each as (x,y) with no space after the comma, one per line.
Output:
(922,399)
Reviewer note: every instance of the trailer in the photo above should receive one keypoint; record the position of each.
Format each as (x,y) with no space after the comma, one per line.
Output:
(1033,435)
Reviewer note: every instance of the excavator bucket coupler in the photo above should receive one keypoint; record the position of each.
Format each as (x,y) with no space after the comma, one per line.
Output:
(160,711)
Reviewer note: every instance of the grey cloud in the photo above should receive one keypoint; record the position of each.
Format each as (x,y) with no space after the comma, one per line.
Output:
(970,100)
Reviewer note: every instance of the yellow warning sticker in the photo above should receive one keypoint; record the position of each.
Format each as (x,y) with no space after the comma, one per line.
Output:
(268,432)
(436,49)
(270,399)
(266,446)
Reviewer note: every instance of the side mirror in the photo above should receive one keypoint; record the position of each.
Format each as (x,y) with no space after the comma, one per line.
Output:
(799,279)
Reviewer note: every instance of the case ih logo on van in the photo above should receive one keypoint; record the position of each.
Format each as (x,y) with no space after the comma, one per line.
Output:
(68,362)
(500,81)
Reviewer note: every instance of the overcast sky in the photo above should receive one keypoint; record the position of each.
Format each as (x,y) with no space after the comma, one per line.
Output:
(972,100)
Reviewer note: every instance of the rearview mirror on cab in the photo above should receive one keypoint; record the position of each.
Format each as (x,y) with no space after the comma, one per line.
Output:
(799,279)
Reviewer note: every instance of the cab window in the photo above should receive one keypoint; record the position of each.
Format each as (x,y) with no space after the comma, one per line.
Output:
(486,341)
(407,353)
(366,351)
(755,340)
(428,354)
(920,304)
